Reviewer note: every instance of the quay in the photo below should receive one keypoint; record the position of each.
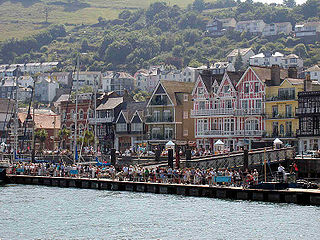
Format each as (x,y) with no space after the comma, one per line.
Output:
(293,195)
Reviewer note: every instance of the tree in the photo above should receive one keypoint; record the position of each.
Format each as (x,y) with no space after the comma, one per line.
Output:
(300,50)
(238,64)
(87,138)
(199,5)
(41,135)
(290,3)
(63,136)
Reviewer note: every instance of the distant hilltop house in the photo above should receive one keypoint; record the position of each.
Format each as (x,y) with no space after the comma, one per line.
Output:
(27,68)
(147,79)
(86,79)
(217,27)
(307,31)
(274,29)
(268,59)
(251,26)
(314,73)
(245,54)
(217,68)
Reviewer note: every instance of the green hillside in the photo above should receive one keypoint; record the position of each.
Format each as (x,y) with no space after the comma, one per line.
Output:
(20,18)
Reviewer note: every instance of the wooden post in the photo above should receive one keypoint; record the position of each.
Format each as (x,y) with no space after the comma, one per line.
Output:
(265,166)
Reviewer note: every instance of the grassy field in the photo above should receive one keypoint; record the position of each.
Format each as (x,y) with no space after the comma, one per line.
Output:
(20,18)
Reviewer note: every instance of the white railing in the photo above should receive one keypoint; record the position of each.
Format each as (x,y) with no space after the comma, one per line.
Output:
(101,120)
(237,133)
(227,111)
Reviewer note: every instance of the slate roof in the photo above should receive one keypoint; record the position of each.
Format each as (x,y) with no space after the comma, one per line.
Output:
(173,87)
(264,73)
(46,121)
(208,79)
(111,103)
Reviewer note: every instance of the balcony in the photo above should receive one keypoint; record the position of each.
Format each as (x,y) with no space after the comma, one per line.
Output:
(249,111)
(160,137)
(100,120)
(227,111)
(314,110)
(279,116)
(167,119)
(159,102)
(236,133)
(280,98)
(311,132)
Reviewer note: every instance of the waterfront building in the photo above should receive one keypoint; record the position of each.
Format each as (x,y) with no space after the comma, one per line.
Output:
(231,107)
(281,102)
(168,114)
(130,127)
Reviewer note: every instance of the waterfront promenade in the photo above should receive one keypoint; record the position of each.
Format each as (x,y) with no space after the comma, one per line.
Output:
(297,196)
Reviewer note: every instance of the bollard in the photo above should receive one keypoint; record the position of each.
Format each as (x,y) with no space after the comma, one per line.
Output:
(170,158)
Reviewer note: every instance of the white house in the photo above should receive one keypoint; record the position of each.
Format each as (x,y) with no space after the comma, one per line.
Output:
(86,79)
(251,26)
(267,60)
(117,82)
(314,72)
(307,30)
(274,29)
(245,53)
(46,89)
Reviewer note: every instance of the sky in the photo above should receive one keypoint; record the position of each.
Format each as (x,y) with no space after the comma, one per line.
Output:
(278,1)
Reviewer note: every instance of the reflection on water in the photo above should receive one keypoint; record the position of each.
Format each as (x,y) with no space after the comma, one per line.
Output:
(38,212)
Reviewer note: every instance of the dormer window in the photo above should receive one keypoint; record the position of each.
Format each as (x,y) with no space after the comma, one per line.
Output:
(200,91)
(226,89)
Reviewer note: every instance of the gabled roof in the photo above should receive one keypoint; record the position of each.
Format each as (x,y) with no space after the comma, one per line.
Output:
(208,79)
(314,68)
(293,81)
(243,51)
(173,87)
(46,121)
(111,103)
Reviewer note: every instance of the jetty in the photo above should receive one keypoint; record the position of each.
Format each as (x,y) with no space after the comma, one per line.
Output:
(294,195)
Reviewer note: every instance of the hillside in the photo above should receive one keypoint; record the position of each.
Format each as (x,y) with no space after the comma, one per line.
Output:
(161,34)
(20,18)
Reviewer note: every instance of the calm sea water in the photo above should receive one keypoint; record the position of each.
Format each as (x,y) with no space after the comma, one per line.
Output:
(38,212)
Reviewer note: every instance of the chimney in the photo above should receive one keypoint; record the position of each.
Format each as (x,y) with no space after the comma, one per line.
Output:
(275,75)
(292,72)
(307,84)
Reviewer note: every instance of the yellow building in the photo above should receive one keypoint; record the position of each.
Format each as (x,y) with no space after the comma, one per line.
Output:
(281,103)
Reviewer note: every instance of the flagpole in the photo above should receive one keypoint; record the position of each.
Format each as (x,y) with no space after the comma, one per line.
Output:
(76,113)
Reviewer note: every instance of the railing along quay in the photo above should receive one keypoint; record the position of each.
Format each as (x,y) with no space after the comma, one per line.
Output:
(297,196)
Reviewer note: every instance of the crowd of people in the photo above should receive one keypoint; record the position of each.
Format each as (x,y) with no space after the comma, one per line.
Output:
(196,176)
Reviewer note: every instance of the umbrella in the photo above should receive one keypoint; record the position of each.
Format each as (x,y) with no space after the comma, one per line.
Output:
(219,143)
(170,144)
(277,141)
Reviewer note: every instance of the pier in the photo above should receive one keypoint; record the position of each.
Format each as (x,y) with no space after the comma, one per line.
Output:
(296,196)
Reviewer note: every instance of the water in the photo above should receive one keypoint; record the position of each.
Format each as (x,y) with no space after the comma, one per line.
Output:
(38,212)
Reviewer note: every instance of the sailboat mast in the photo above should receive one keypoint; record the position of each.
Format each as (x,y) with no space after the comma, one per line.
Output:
(16,117)
(95,117)
(76,111)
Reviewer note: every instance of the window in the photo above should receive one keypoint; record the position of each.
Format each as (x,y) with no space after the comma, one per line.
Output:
(121,127)
(226,89)
(72,114)
(228,104)
(167,116)
(275,129)
(286,93)
(185,115)
(289,111)
(64,115)
(81,129)
(246,87)
(256,87)
(168,133)
(81,114)
(156,116)
(185,97)
(289,129)
(245,104)
(136,127)
(281,129)
(185,132)
(155,133)
(258,103)
(202,105)
(200,91)
(275,112)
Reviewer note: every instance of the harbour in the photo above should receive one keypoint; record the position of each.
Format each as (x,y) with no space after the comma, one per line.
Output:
(41,212)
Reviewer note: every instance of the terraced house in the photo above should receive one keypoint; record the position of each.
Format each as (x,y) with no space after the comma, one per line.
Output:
(168,114)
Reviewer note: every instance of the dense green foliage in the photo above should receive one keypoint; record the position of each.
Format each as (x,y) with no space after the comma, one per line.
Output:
(163,34)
